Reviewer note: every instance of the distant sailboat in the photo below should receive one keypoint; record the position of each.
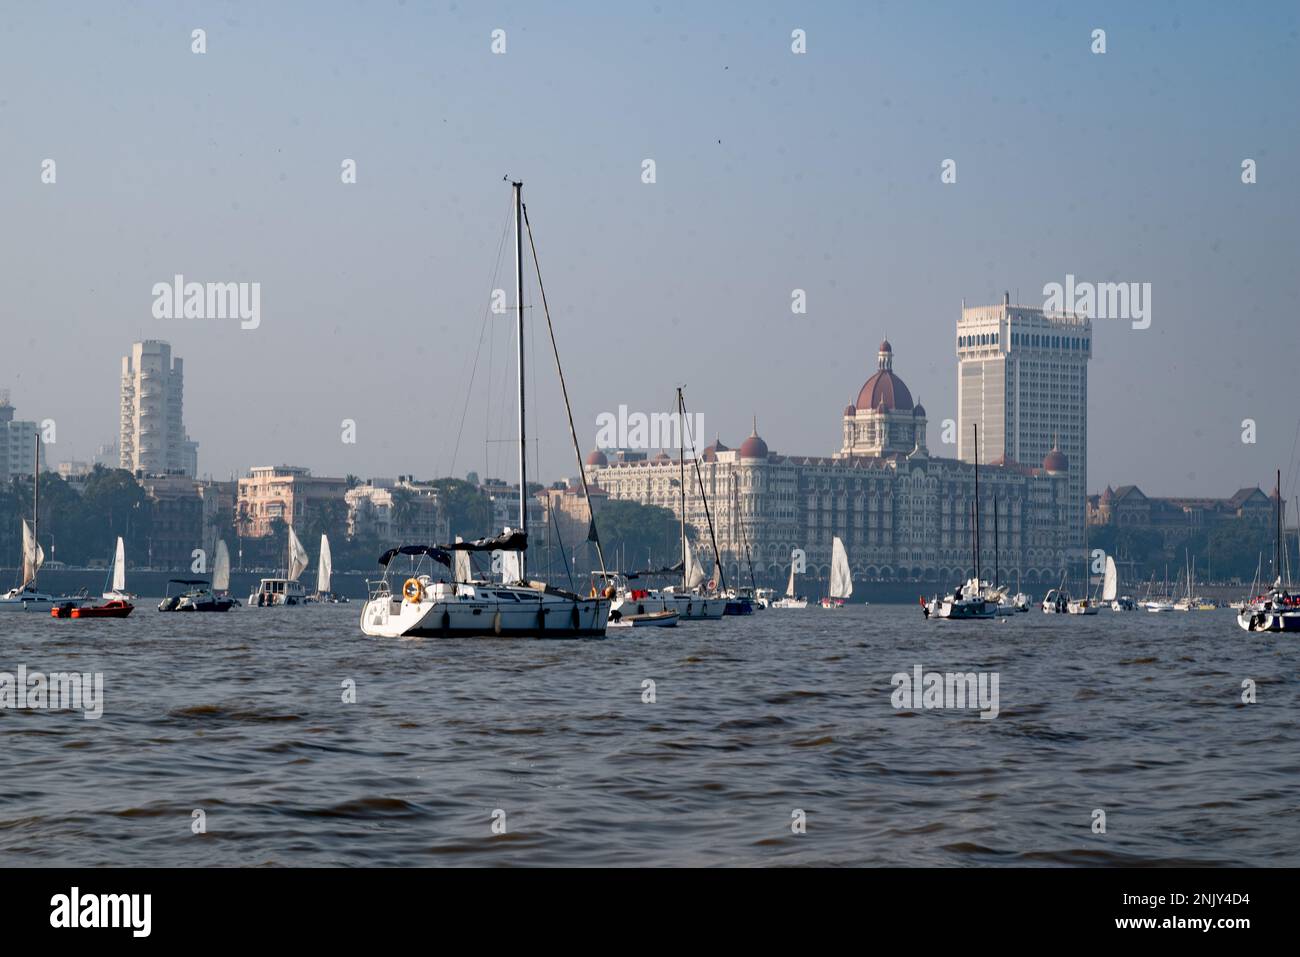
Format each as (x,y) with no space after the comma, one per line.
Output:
(117,573)
(841,576)
(790,600)
(199,595)
(27,596)
(324,569)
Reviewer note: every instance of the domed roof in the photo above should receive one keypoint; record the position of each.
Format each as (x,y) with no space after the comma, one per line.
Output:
(597,458)
(753,447)
(850,409)
(918,411)
(1056,460)
(885,391)
(662,457)
(710,453)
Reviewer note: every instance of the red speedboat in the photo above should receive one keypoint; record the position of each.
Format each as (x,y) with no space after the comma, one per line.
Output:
(110,609)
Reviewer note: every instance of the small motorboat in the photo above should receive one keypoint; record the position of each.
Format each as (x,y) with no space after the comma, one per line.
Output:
(654,619)
(63,609)
(116,608)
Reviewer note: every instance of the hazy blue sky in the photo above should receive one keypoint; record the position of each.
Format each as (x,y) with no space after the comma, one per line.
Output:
(775,171)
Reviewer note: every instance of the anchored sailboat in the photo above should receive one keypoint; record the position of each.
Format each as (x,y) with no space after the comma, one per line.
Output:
(841,576)
(435,603)
(27,596)
(790,599)
(1276,610)
(971,600)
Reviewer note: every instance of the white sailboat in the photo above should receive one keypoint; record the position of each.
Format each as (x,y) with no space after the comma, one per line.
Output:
(430,605)
(117,590)
(1277,610)
(973,600)
(324,574)
(288,590)
(28,596)
(690,602)
(841,586)
(1110,589)
(791,599)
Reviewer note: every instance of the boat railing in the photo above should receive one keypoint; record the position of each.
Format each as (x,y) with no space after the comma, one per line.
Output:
(377,589)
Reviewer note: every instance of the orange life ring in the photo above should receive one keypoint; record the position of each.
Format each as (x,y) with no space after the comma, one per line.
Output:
(412,590)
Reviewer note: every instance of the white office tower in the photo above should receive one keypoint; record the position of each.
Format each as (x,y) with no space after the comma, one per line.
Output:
(1023,376)
(153,438)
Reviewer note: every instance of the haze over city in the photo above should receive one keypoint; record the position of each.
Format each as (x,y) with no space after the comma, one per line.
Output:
(775,172)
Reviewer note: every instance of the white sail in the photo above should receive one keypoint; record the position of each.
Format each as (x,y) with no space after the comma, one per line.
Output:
(789,586)
(119,566)
(298,560)
(510,567)
(841,576)
(221,568)
(33,555)
(694,573)
(464,572)
(324,566)
(1110,584)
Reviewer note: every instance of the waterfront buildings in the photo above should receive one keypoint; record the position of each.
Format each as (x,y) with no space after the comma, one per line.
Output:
(152,437)
(286,492)
(1023,376)
(401,511)
(176,519)
(18,440)
(1128,507)
(902,513)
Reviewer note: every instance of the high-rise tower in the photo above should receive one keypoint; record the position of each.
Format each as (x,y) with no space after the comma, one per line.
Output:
(153,438)
(1023,376)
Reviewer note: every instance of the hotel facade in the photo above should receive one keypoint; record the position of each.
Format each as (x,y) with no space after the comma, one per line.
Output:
(903,514)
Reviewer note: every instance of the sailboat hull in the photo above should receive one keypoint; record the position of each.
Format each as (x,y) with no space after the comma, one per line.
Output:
(1275,621)
(486,612)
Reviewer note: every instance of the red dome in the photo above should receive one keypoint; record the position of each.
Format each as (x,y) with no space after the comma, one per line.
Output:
(885,391)
(1056,461)
(597,458)
(753,447)
(710,453)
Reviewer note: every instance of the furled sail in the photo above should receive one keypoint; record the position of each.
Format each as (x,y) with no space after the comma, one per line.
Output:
(221,568)
(324,566)
(298,560)
(841,576)
(694,573)
(119,566)
(33,555)
(1110,584)
(463,571)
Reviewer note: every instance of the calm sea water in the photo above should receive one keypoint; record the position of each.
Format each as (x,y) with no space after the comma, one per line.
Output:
(241,716)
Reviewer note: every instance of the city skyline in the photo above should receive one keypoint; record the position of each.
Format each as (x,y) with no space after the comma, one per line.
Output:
(776,172)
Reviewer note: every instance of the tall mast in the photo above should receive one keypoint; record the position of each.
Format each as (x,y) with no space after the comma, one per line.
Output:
(996,547)
(35,505)
(519,329)
(681,462)
(977,506)
(1277,546)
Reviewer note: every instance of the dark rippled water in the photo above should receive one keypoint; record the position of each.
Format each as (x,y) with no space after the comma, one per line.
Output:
(241,716)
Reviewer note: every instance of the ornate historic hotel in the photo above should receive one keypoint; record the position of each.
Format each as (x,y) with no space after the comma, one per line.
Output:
(902,513)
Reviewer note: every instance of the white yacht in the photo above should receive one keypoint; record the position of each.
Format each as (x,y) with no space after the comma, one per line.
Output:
(288,590)
(448,604)
(27,596)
